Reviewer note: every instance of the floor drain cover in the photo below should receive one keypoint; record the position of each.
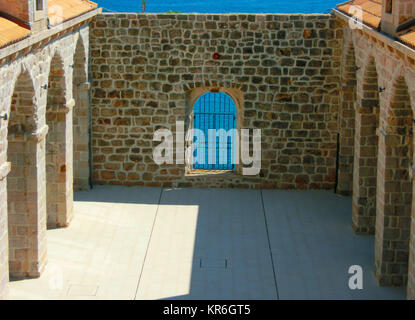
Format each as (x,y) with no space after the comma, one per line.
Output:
(77,290)
(214,263)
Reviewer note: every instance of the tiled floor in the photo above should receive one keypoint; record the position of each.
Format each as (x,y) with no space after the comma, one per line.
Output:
(149,243)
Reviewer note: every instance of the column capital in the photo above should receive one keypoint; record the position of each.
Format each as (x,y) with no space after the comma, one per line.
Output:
(84,86)
(5,170)
(362,108)
(35,136)
(69,106)
(59,108)
(412,171)
(381,132)
(38,135)
(391,140)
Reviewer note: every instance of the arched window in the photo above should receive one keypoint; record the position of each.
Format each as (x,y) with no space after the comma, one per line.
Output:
(214,117)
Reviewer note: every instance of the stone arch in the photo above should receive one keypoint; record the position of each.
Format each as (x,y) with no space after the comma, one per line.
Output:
(346,121)
(25,183)
(366,151)
(22,70)
(394,194)
(81,118)
(58,147)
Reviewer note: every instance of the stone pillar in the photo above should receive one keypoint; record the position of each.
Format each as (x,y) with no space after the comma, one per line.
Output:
(364,172)
(4,242)
(393,210)
(26,201)
(81,134)
(59,162)
(347,118)
(346,142)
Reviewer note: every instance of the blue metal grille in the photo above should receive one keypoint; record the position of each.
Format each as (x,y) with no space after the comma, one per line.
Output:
(217,151)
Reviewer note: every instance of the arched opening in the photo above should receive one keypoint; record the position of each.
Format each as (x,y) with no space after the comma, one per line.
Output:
(58,149)
(214,132)
(25,185)
(344,184)
(81,157)
(394,200)
(366,153)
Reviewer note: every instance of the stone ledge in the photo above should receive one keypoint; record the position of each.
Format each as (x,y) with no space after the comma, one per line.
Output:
(210,174)
(166,15)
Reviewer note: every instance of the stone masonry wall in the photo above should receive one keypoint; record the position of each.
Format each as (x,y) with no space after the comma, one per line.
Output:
(145,67)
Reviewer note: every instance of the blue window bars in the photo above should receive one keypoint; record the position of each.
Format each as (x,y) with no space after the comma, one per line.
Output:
(214,110)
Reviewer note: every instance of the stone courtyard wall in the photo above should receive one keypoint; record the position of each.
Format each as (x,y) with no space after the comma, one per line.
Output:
(285,69)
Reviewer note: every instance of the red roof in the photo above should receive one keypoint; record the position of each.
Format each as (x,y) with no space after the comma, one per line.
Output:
(371,10)
(62,10)
(371,16)
(11,32)
(58,12)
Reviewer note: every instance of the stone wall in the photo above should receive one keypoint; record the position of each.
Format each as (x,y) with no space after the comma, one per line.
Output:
(145,68)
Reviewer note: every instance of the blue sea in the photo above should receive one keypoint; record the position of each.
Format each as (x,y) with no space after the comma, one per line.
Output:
(222,6)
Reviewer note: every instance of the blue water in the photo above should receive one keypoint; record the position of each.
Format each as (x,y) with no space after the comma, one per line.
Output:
(222,6)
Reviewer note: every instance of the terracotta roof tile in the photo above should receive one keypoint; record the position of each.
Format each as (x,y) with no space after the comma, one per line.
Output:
(371,10)
(11,32)
(62,10)
(372,13)
(407,36)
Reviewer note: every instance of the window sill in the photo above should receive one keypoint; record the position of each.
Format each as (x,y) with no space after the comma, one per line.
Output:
(211,174)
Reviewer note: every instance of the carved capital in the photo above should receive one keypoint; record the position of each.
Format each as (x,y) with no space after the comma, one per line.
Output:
(84,86)
(412,171)
(391,140)
(58,108)
(39,135)
(4,170)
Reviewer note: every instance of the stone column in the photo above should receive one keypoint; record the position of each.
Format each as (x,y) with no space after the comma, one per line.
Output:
(60,165)
(364,172)
(346,139)
(393,211)
(26,190)
(81,134)
(4,242)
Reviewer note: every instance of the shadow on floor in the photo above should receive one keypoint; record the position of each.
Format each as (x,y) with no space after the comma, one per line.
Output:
(249,244)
